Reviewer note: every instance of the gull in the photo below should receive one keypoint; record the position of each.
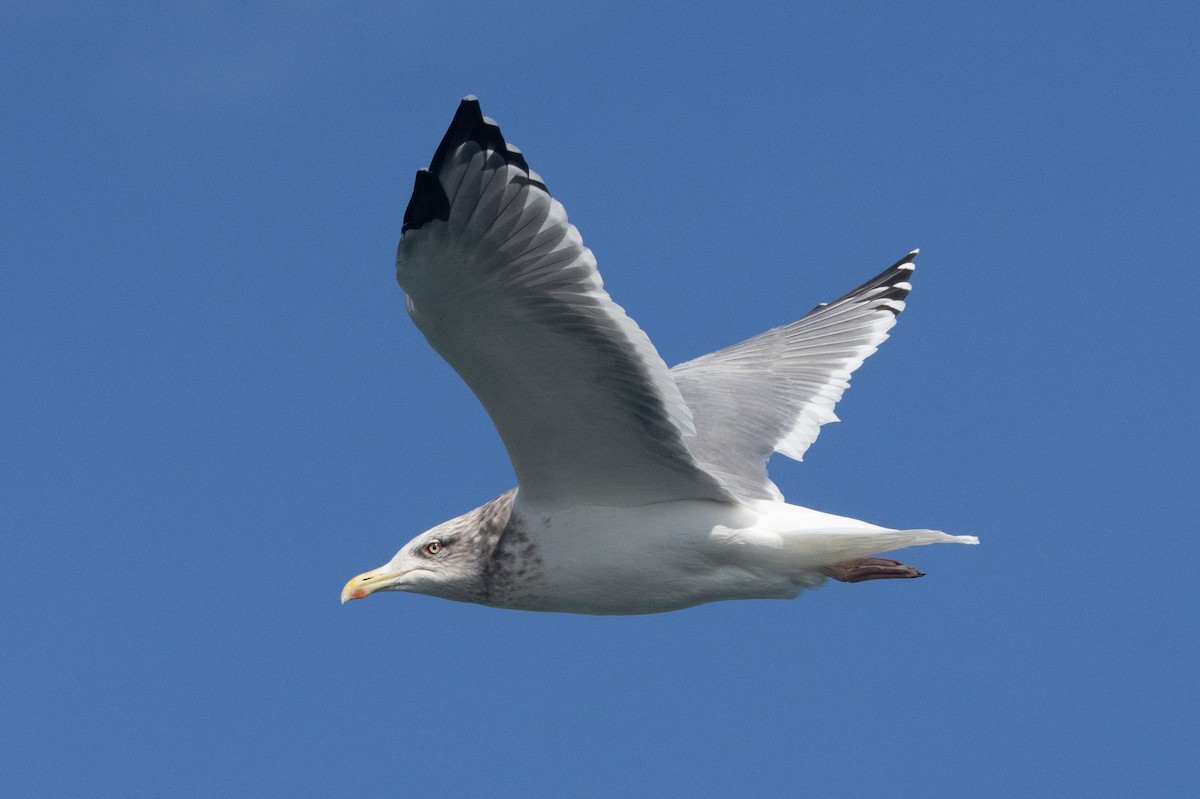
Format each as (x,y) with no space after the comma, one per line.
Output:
(640,489)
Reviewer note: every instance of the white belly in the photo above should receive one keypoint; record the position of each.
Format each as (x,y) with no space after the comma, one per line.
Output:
(651,559)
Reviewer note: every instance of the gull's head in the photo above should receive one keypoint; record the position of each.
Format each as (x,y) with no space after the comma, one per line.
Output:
(439,562)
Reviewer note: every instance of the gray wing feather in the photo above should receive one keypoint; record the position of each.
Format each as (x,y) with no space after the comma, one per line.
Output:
(772,393)
(502,287)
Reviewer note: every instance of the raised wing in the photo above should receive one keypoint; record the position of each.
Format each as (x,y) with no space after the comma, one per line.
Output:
(502,287)
(773,392)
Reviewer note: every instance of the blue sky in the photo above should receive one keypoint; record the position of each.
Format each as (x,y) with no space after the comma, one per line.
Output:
(215,410)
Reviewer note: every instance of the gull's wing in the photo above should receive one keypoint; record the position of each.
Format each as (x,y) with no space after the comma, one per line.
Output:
(773,392)
(501,285)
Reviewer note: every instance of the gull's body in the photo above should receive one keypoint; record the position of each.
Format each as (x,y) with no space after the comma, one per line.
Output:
(672,555)
(641,488)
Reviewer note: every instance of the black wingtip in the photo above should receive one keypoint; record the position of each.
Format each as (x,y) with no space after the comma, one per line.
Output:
(909,259)
(898,272)
(468,124)
(428,202)
(894,279)
(513,155)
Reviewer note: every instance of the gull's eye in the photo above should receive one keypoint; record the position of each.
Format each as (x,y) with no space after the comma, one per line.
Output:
(432,548)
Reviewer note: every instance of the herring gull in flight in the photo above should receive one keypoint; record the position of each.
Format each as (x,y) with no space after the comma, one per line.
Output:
(641,489)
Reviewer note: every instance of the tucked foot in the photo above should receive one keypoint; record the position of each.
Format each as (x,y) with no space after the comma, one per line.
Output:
(856,571)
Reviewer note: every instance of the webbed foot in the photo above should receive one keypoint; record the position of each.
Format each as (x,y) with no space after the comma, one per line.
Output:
(857,571)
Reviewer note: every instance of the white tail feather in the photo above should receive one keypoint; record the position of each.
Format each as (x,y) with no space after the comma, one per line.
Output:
(825,547)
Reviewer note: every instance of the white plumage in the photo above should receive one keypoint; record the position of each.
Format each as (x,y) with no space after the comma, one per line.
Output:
(641,488)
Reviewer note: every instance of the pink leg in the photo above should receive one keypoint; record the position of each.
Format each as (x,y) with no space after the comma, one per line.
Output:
(856,571)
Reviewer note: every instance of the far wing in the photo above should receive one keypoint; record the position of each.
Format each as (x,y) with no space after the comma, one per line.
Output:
(773,392)
(502,287)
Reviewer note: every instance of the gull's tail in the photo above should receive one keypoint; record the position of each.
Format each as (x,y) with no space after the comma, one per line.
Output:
(816,548)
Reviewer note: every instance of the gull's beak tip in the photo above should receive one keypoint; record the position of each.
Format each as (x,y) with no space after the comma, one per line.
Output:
(364,584)
(349,592)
